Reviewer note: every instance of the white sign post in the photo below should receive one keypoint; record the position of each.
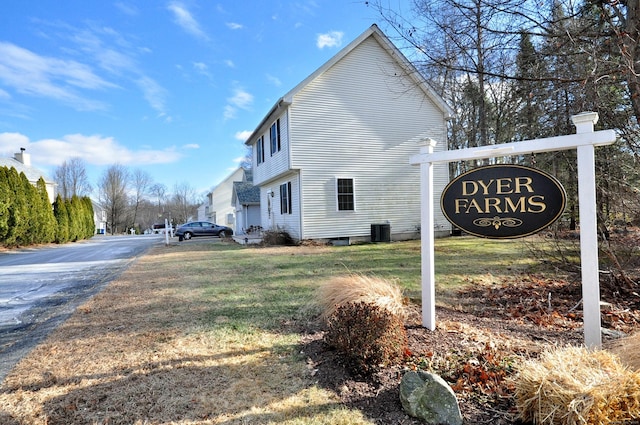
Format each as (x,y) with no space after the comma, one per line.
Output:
(585,140)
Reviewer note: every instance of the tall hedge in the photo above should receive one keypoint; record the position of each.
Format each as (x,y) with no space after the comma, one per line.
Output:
(5,203)
(62,217)
(27,216)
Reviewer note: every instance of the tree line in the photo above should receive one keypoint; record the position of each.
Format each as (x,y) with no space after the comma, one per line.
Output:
(129,198)
(516,70)
(27,216)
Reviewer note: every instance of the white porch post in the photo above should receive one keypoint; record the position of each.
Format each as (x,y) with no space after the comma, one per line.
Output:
(427,239)
(588,233)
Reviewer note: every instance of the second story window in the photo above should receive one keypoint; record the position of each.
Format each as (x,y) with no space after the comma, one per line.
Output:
(275,137)
(260,150)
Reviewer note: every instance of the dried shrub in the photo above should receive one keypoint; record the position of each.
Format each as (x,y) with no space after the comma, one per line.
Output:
(573,385)
(277,237)
(369,336)
(352,288)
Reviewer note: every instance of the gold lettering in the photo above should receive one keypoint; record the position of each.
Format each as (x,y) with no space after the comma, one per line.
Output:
(523,181)
(540,204)
(503,186)
(492,203)
(485,186)
(474,204)
(460,204)
(474,187)
(514,207)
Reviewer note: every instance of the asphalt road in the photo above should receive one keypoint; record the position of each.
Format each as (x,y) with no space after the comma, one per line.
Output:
(41,287)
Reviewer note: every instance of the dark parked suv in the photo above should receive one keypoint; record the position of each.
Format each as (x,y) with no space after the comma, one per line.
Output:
(202,228)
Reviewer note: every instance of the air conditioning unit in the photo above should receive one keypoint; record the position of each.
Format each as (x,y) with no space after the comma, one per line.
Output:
(381,232)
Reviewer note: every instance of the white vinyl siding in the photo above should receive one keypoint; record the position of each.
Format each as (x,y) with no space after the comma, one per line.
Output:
(275,162)
(275,218)
(363,118)
(221,198)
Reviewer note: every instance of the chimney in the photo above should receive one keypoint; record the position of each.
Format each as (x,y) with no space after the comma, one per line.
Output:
(24,158)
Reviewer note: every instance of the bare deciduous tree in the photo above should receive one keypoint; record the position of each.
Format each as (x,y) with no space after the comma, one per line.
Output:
(72,180)
(140,182)
(113,188)
(183,202)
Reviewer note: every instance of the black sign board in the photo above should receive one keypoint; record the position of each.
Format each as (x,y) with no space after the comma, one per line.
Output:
(503,201)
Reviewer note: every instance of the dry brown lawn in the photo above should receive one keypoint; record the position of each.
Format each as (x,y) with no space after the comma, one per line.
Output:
(140,353)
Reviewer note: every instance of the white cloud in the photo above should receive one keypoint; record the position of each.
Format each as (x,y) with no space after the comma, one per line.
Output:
(191,146)
(41,76)
(4,95)
(126,8)
(77,84)
(153,93)
(202,67)
(94,150)
(229,63)
(274,80)
(330,39)
(229,112)
(184,19)
(241,99)
(243,135)
(234,26)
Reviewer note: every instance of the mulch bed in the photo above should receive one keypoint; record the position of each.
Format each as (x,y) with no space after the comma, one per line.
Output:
(478,344)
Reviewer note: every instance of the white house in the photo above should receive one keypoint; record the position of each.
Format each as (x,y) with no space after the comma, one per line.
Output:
(246,199)
(331,157)
(220,208)
(99,218)
(21,161)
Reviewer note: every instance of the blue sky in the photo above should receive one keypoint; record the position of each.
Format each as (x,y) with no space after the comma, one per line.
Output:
(169,87)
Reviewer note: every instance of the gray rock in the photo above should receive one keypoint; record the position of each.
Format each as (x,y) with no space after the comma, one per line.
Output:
(428,397)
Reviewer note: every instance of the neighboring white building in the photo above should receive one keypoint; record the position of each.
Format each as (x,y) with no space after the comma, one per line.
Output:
(21,161)
(331,157)
(202,211)
(219,206)
(99,218)
(246,198)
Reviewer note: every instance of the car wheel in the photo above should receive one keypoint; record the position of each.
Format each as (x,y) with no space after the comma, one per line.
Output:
(187,235)
(222,234)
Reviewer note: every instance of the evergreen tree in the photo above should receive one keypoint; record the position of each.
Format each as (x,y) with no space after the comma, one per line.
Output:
(89,224)
(18,211)
(62,217)
(46,219)
(76,220)
(31,231)
(6,202)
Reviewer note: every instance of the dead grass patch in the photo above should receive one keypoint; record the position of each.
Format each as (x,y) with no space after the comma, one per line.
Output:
(149,350)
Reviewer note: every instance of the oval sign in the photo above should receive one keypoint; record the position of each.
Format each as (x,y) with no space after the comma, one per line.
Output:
(503,201)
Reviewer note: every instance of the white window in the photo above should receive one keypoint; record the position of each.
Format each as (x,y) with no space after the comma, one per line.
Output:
(345,194)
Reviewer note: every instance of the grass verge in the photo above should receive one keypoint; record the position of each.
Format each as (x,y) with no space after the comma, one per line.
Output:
(203,333)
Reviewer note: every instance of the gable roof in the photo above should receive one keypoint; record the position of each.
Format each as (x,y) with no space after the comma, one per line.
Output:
(32,173)
(247,193)
(373,31)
